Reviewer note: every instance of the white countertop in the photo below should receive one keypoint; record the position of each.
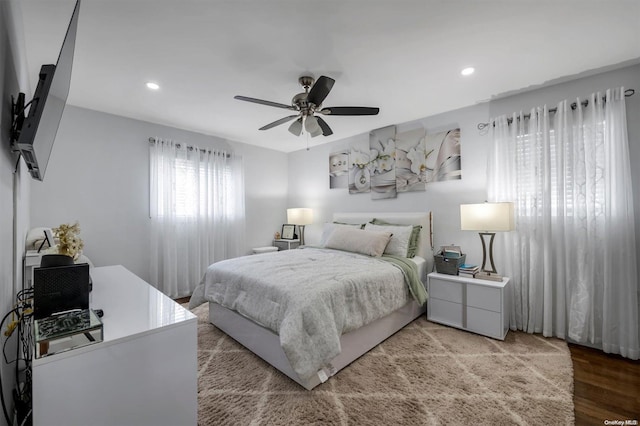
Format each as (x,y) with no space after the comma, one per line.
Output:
(132,307)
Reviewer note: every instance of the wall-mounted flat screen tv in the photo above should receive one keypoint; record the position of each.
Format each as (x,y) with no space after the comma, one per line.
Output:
(35,134)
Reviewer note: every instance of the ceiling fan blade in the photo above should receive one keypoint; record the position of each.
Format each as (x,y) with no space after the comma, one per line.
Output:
(278,122)
(296,127)
(320,90)
(326,130)
(263,102)
(350,111)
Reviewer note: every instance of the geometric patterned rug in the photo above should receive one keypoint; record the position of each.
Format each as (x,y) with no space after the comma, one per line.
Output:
(426,374)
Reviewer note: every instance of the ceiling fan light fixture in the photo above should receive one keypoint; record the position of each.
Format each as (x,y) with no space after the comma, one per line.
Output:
(311,126)
(296,127)
(316,133)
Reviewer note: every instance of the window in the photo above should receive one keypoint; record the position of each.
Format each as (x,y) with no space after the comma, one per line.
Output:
(556,176)
(197,213)
(193,186)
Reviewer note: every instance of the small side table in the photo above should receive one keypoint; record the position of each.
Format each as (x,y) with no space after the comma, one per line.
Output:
(286,244)
(472,304)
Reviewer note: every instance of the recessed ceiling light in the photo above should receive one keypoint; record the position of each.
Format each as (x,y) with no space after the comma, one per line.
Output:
(153,86)
(468,71)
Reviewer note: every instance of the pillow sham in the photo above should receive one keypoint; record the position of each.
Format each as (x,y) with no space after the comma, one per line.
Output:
(349,238)
(399,243)
(330,226)
(414,240)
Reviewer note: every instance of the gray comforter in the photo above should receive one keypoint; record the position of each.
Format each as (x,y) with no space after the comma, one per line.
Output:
(309,297)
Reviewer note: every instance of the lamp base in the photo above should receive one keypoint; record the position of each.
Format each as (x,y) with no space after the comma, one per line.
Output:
(486,275)
(301,234)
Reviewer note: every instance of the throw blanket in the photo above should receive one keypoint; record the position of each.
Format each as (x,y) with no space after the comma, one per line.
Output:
(309,297)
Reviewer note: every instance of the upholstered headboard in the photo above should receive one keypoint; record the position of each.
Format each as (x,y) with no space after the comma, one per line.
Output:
(425,248)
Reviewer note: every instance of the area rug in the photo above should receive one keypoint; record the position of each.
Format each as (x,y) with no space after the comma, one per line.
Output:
(426,374)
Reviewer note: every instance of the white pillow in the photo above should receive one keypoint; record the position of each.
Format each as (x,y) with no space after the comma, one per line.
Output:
(399,244)
(329,227)
(356,240)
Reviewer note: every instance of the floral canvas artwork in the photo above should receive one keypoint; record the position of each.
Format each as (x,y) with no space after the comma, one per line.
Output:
(339,169)
(382,153)
(411,161)
(397,162)
(359,176)
(444,163)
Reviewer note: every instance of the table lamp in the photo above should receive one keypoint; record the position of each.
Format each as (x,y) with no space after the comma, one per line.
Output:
(300,217)
(488,218)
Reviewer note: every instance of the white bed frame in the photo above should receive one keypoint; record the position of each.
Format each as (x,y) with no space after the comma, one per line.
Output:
(266,344)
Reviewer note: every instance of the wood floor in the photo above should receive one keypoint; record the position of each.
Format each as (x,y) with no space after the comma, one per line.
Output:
(606,387)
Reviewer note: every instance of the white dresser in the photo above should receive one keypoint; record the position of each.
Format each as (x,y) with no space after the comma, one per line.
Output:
(480,306)
(144,372)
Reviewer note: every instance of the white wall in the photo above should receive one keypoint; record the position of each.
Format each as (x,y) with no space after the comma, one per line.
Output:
(265,193)
(98,174)
(14,184)
(309,180)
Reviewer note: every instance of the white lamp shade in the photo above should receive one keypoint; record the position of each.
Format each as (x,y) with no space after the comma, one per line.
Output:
(487,217)
(299,216)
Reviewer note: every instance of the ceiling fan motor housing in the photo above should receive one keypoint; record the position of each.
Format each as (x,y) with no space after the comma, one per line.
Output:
(300,100)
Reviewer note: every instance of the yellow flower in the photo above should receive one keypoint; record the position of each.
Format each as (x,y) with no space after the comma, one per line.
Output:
(69,242)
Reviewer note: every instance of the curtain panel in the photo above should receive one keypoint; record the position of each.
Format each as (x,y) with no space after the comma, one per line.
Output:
(572,257)
(197,213)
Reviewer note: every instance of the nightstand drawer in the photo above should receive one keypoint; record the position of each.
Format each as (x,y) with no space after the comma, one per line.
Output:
(445,312)
(482,297)
(484,322)
(286,244)
(445,290)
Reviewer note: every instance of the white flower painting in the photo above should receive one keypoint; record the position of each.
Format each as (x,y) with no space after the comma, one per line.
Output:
(411,161)
(359,176)
(382,146)
(339,169)
(399,162)
(446,163)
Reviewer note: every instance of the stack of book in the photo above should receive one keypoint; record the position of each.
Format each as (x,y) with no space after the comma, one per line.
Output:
(466,270)
(491,276)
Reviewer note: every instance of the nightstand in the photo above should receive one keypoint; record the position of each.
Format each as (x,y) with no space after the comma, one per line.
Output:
(286,244)
(479,306)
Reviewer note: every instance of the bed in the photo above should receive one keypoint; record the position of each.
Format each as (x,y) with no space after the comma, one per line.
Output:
(287,307)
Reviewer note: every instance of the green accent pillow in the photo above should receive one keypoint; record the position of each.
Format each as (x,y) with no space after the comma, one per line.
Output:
(360,225)
(413,239)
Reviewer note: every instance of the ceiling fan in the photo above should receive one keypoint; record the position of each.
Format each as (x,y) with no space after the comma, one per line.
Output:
(307,104)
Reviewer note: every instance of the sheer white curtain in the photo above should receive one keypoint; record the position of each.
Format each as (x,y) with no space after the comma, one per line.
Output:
(572,258)
(197,213)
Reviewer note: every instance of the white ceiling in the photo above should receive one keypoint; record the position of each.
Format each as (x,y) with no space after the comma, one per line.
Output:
(402,56)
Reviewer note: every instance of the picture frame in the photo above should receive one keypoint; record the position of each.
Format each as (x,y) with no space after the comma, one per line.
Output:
(288,232)
(48,238)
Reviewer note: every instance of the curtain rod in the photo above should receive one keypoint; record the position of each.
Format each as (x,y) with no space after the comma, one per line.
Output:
(191,148)
(482,126)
